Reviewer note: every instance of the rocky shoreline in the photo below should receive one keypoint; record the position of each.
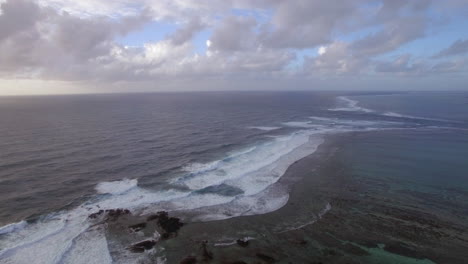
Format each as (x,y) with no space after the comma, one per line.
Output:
(364,223)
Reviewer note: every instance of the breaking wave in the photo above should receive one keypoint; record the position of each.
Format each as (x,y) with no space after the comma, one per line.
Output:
(348,104)
(241,183)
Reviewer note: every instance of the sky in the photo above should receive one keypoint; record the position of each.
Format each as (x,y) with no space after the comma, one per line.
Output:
(102,46)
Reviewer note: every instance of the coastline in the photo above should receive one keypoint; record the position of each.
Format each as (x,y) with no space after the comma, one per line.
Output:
(329,218)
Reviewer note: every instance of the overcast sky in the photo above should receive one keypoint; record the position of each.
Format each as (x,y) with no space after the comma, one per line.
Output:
(71,46)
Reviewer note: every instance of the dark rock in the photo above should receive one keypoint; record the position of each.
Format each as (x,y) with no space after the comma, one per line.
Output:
(207,255)
(238,262)
(95,215)
(265,258)
(189,260)
(165,236)
(152,217)
(142,246)
(168,224)
(242,242)
(112,214)
(137,227)
(137,249)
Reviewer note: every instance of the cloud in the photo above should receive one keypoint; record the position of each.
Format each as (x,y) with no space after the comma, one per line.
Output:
(394,34)
(233,34)
(55,45)
(322,50)
(459,47)
(336,58)
(186,32)
(243,40)
(306,23)
(406,65)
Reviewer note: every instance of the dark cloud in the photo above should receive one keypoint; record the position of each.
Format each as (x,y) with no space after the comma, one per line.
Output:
(55,44)
(17,16)
(234,33)
(186,32)
(306,23)
(457,48)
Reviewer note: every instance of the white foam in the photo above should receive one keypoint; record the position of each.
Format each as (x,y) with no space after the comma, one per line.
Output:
(89,247)
(310,222)
(350,105)
(248,164)
(116,187)
(46,242)
(196,167)
(225,244)
(12,227)
(300,124)
(232,242)
(264,128)
(393,114)
(351,123)
(252,172)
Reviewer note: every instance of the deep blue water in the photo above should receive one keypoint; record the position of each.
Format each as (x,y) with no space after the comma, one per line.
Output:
(216,155)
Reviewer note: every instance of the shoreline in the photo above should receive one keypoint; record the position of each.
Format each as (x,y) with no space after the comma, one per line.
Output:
(363,224)
(255,228)
(331,216)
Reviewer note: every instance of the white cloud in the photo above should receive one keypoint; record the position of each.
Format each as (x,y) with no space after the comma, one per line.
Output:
(70,40)
(322,50)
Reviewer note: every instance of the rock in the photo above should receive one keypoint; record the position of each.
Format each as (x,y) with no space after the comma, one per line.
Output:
(137,227)
(152,217)
(265,258)
(95,215)
(165,236)
(207,255)
(137,249)
(169,224)
(112,214)
(142,246)
(242,242)
(189,260)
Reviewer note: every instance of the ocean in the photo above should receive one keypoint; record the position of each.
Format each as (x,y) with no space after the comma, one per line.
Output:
(216,157)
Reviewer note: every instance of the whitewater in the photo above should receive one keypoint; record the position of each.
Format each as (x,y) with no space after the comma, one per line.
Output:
(239,183)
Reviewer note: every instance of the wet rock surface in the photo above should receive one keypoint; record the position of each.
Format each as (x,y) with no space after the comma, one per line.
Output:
(111,214)
(189,260)
(137,227)
(170,225)
(242,242)
(265,258)
(142,246)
